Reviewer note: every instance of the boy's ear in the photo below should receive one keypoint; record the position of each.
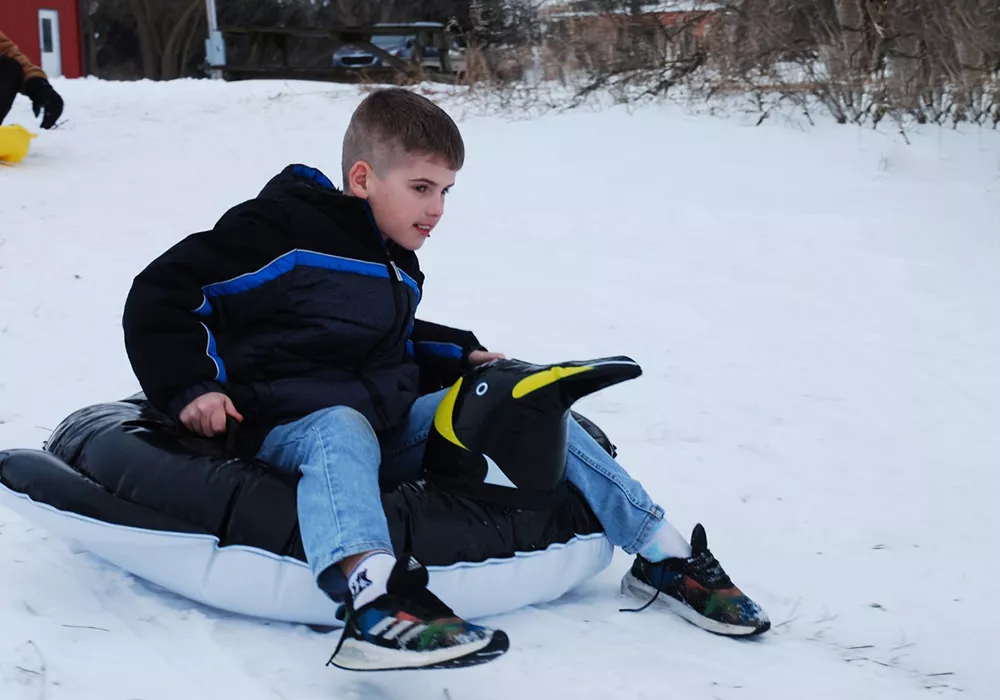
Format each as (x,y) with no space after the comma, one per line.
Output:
(358,179)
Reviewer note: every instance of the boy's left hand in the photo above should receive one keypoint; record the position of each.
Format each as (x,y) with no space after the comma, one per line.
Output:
(479,357)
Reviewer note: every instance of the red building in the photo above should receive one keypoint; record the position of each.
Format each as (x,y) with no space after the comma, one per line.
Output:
(47,32)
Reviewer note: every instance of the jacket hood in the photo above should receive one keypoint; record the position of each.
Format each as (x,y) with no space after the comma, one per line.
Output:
(310,185)
(295,178)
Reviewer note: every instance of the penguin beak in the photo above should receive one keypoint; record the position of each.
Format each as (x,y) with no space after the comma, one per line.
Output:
(579,379)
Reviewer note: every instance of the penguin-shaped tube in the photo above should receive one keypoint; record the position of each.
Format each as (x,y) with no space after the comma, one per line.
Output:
(500,433)
(119,480)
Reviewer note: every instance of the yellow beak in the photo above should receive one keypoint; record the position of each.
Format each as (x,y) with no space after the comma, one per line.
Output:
(544,378)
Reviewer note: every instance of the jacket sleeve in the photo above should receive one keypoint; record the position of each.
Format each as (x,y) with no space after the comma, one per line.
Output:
(441,352)
(168,316)
(9,48)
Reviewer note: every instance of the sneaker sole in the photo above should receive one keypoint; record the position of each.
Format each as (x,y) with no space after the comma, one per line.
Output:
(642,591)
(362,656)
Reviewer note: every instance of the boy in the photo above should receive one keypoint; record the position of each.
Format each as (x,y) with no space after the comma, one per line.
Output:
(294,319)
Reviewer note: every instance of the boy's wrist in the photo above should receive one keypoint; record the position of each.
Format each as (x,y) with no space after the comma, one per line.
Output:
(468,349)
(181,400)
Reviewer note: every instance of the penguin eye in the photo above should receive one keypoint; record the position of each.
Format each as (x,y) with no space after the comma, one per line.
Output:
(482,388)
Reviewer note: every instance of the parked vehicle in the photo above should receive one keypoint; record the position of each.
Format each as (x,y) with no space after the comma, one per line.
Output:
(402,46)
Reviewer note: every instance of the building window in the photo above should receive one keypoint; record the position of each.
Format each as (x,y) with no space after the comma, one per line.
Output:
(47,36)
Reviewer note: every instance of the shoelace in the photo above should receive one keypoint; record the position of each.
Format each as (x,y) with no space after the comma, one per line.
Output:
(706,566)
(343,613)
(710,571)
(650,602)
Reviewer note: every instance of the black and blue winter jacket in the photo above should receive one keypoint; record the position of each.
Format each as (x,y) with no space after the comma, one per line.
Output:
(290,304)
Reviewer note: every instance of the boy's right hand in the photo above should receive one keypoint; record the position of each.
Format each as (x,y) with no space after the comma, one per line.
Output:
(206,415)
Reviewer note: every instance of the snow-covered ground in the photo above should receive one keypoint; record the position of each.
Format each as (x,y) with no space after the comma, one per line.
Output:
(817,312)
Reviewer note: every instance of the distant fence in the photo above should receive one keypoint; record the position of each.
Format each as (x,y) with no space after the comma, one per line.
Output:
(308,54)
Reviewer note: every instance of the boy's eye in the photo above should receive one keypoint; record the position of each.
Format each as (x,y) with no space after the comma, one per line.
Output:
(421,188)
(446,190)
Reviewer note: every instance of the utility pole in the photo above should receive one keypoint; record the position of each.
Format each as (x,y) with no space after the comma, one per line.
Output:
(215,46)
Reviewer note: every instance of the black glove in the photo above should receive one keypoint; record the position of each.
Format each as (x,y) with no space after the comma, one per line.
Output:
(43,96)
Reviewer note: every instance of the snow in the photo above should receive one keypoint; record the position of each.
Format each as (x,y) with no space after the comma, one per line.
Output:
(564,9)
(816,310)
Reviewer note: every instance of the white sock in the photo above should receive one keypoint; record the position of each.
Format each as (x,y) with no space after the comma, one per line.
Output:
(666,542)
(369,578)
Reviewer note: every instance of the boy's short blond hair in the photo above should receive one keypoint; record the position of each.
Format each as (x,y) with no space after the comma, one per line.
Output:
(393,121)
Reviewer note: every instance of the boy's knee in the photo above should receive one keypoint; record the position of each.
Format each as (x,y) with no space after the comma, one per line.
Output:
(343,420)
(584,432)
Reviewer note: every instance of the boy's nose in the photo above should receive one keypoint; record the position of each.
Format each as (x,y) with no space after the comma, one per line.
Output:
(436,209)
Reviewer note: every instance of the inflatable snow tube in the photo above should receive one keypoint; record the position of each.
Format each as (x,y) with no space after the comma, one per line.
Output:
(118,480)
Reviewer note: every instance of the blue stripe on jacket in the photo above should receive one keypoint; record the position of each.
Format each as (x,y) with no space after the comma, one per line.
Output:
(213,354)
(411,282)
(275,269)
(288,262)
(205,310)
(428,348)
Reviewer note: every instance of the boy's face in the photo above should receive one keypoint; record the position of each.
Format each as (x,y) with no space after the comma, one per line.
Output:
(408,200)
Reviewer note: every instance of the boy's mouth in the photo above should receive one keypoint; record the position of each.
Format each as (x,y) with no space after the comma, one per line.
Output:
(424,229)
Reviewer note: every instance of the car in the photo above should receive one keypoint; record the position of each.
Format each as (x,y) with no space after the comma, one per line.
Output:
(402,46)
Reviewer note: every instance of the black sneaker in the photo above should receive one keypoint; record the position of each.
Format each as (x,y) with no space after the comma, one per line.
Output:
(410,628)
(697,589)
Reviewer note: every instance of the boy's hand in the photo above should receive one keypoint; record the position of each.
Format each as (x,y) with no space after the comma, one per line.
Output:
(478,357)
(206,415)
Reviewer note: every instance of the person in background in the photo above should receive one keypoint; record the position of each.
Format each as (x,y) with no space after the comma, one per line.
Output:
(19,75)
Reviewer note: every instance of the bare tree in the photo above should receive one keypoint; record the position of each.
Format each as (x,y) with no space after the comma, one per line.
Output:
(863,60)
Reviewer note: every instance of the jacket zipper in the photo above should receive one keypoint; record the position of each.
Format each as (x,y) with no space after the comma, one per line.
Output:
(396,280)
(397,290)
(393,268)
(378,402)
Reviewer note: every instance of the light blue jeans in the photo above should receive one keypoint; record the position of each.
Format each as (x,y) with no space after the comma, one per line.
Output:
(343,463)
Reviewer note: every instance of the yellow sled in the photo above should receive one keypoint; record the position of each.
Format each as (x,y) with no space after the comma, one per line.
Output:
(15,141)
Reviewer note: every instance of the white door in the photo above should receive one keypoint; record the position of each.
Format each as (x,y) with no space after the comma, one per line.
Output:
(48,30)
